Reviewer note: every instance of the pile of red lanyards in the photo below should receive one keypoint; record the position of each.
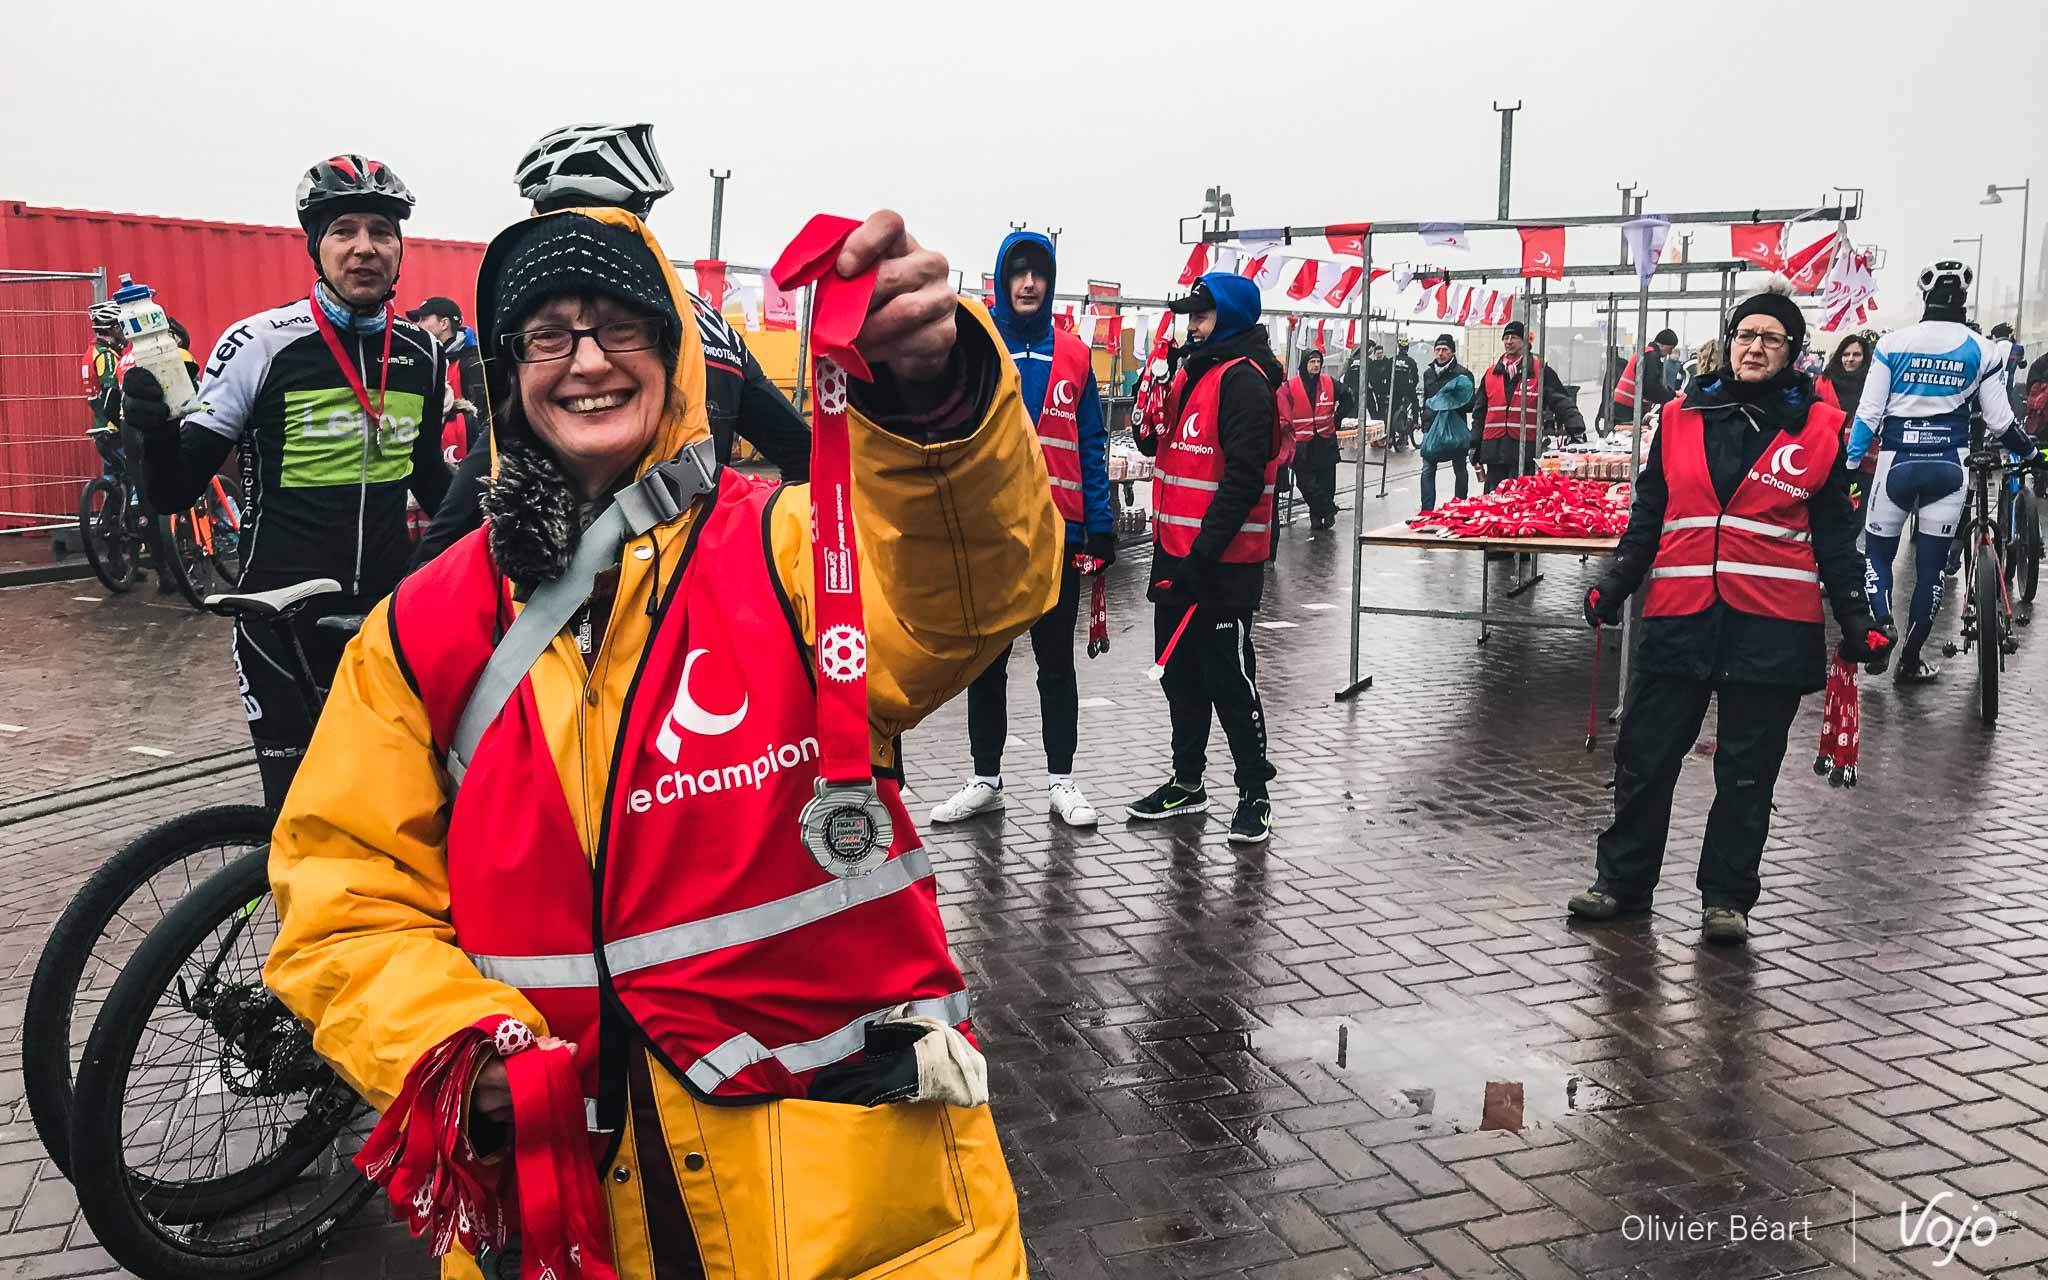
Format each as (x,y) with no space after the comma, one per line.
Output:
(1538,506)
(1841,731)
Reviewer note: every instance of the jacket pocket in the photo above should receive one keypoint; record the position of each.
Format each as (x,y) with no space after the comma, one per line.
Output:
(862,1191)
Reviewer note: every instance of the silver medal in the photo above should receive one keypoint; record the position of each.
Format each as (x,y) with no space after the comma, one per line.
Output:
(846,828)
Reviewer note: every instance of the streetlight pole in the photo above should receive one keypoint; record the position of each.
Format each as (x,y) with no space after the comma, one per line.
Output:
(717,206)
(2026,190)
(1977,304)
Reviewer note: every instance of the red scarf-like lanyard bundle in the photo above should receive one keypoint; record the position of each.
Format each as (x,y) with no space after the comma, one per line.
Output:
(547,1194)
(1841,728)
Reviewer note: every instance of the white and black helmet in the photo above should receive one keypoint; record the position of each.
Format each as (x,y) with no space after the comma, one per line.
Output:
(104,315)
(1947,276)
(594,164)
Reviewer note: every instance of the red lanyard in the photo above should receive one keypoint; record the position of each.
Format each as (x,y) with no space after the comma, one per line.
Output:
(355,380)
(838,309)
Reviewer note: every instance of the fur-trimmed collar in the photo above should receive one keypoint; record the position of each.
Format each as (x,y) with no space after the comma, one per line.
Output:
(535,520)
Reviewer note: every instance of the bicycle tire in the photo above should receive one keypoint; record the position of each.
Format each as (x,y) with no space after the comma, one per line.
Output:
(102,532)
(226,551)
(129,1212)
(49,1052)
(2028,555)
(1990,635)
(184,561)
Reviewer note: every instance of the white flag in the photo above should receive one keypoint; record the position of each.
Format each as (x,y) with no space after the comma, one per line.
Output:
(1262,264)
(750,307)
(1404,275)
(1645,238)
(1445,235)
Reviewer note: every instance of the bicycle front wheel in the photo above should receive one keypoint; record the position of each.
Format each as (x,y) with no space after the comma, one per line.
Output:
(102,511)
(97,935)
(185,560)
(1991,622)
(208,1140)
(2027,547)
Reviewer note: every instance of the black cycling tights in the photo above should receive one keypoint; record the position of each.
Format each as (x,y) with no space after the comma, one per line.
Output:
(273,696)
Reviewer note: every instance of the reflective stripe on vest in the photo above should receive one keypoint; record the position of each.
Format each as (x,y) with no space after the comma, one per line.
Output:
(1059,423)
(1190,469)
(716,929)
(1756,554)
(1519,416)
(1305,418)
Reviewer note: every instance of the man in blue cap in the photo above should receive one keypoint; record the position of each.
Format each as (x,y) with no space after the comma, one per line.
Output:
(1212,502)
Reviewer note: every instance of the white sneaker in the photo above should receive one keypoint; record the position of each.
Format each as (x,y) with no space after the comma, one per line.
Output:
(1071,806)
(975,797)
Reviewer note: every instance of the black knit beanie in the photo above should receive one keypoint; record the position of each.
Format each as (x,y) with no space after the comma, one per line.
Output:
(560,253)
(1778,306)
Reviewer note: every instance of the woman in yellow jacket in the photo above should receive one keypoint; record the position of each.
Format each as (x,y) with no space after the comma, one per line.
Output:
(648,896)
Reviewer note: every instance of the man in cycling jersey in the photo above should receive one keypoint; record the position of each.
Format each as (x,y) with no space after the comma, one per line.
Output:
(616,166)
(97,371)
(1916,409)
(335,402)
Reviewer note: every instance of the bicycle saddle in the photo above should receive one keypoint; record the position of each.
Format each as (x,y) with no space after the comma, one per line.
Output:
(274,603)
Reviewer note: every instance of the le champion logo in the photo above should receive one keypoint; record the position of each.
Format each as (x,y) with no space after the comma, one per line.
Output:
(1784,462)
(690,720)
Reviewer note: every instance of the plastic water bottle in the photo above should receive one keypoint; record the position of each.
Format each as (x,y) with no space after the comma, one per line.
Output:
(153,346)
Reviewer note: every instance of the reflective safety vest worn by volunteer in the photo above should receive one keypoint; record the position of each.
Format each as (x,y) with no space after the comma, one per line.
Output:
(704,920)
(1625,388)
(1519,416)
(1755,554)
(1307,415)
(1189,469)
(1059,422)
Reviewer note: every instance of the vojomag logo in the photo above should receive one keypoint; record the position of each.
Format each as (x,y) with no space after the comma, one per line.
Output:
(1946,1228)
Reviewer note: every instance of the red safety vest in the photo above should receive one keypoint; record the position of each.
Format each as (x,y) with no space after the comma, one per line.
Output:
(1625,389)
(455,431)
(1756,554)
(1505,415)
(1059,422)
(745,964)
(1190,467)
(1304,417)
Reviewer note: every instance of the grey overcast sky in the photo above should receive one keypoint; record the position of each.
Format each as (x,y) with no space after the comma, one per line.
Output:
(1105,119)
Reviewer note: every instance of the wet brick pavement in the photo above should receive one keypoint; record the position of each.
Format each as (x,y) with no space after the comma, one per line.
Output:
(1273,1064)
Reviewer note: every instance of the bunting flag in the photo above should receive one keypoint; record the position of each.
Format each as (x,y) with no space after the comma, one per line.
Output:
(1542,252)
(1198,262)
(1226,259)
(750,306)
(1340,293)
(1347,239)
(1760,242)
(1851,285)
(1305,278)
(1808,268)
(1065,320)
(1262,264)
(1645,238)
(1351,333)
(1445,235)
(1404,275)
(711,285)
(778,309)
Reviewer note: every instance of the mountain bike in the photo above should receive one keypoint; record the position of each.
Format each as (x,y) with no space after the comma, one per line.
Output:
(1988,619)
(202,545)
(114,525)
(204,1136)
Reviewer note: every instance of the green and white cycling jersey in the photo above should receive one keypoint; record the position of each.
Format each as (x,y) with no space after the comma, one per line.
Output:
(324,488)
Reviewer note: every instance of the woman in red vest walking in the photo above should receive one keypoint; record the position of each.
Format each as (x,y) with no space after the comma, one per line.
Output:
(647,957)
(1741,517)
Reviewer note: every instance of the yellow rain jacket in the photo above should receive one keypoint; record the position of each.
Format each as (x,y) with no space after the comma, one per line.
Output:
(960,551)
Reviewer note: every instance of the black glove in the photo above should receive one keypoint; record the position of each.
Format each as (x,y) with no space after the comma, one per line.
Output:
(1102,546)
(1865,641)
(142,402)
(1192,576)
(1603,606)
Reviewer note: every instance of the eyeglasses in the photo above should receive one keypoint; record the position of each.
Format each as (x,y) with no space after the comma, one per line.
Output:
(1768,340)
(536,346)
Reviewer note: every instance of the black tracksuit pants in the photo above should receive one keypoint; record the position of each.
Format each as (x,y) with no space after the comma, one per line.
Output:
(1059,693)
(1315,467)
(1213,666)
(1658,729)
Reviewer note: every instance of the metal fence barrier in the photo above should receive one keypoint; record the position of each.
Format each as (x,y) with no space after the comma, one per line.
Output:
(45,457)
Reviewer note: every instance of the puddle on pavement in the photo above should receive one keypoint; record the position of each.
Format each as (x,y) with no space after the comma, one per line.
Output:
(1471,1072)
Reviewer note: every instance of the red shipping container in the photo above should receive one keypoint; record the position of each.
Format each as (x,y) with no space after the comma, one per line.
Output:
(211,274)
(207,274)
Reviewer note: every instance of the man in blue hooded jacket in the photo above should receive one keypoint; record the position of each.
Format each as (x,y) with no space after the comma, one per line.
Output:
(1058,385)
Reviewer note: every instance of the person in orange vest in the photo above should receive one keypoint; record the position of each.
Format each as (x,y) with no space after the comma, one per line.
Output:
(1308,412)
(1056,376)
(1510,417)
(1644,368)
(1218,453)
(1741,518)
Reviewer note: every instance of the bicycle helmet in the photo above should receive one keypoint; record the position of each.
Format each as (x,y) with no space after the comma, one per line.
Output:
(1946,283)
(594,164)
(2002,330)
(104,315)
(349,184)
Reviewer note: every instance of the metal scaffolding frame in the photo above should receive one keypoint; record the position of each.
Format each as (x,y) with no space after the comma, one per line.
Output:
(1839,210)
